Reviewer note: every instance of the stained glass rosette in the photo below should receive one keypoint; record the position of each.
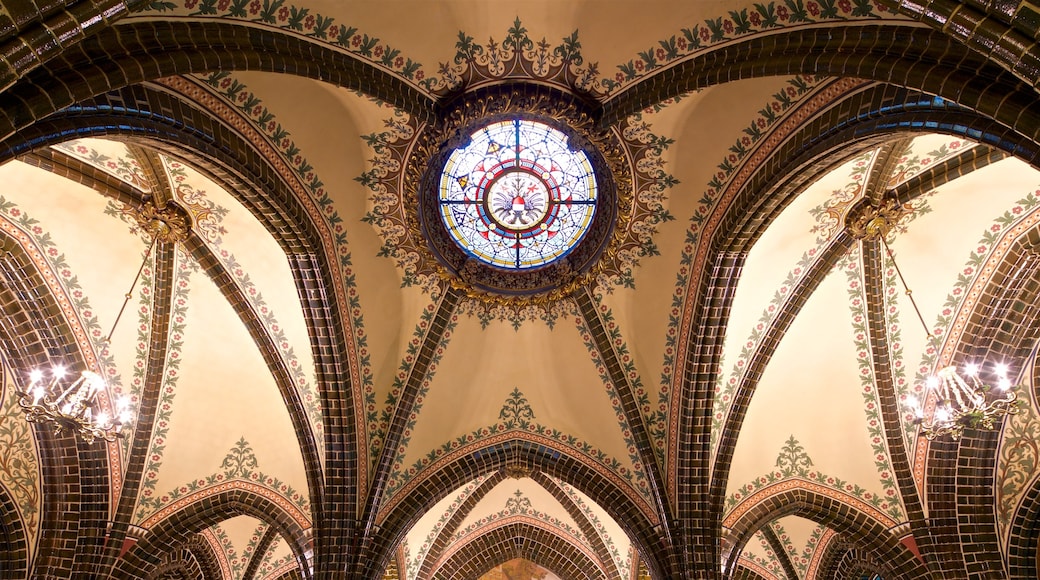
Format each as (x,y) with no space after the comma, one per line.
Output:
(517,196)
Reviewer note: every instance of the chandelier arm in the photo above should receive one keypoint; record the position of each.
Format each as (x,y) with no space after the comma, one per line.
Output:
(906,288)
(130,293)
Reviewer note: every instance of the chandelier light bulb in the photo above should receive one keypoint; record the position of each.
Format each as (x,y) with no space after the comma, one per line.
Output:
(971,369)
(1001,370)
(942,414)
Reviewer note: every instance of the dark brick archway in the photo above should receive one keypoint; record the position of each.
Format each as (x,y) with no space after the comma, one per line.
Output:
(520,539)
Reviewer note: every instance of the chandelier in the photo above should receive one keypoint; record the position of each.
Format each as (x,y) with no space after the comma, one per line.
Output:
(71,402)
(961,399)
(71,408)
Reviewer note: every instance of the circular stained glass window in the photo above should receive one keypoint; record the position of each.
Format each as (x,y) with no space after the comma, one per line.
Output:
(517,196)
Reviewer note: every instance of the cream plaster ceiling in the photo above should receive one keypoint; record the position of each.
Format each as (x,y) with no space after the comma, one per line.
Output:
(227,419)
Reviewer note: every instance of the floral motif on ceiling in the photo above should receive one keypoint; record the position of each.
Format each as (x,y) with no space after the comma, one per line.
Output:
(183,269)
(855,290)
(249,106)
(378,423)
(274,565)
(622,561)
(515,57)
(1023,215)
(763,17)
(124,167)
(793,462)
(301,20)
(653,416)
(19,460)
(239,465)
(53,266)
(802,559)
(414,562)
(516,415)
(1019,460)
(767,563)
(520,505)
(224,547)
(739,23)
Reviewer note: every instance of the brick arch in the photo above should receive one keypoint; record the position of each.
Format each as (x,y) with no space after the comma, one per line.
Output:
(14,550)
(859,527)
(910,56)
(1001,325)
(69,468)
(885,113)
(180,526)
(497,544)
(181,564)
(996,30)
(139,51)
(524,449)
(744,573)
(443,539)
(231,159)
(1023,560)
(842,561)
(199,555)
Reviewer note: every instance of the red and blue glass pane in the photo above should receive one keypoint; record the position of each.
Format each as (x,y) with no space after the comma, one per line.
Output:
(517,196)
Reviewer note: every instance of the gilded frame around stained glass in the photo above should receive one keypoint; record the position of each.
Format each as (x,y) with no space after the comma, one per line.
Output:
(517,196)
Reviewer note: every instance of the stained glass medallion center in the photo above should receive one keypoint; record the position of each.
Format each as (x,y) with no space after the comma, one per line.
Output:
(516,196)
(518,201)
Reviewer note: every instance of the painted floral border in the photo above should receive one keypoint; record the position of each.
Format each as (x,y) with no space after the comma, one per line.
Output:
(19,462)
(240,464)
(762,17)
(90,336)
(768,565)
(126,169)
(301,20)
(236,95)
(237,563)
(793,462)
(959,302)
(623,562)
(414,563)
(516,415)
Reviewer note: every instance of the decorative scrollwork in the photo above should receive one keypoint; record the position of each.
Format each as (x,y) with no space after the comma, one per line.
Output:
(585,262)
(870,222)
(169,223)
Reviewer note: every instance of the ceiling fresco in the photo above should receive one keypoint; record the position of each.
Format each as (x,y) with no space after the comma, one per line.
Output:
(719,379)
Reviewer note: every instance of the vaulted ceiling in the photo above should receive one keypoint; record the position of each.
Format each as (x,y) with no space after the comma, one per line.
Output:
(725,393)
